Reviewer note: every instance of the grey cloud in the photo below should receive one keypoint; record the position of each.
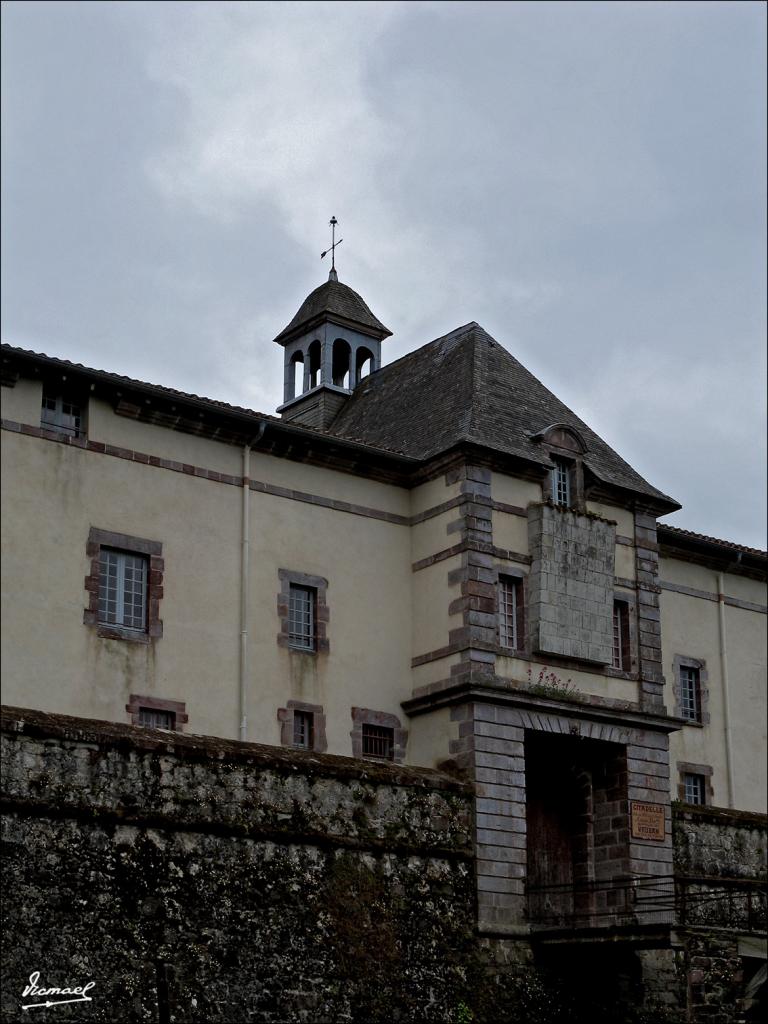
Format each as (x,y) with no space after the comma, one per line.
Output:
(585,180)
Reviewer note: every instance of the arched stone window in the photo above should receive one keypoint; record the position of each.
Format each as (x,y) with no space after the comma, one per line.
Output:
(341,360)
(566,450)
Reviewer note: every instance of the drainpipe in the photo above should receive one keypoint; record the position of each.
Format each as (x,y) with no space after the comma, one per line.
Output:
(726,689)
(245,561)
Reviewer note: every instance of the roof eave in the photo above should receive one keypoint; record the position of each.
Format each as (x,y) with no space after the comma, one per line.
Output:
(249,421)
(287,335)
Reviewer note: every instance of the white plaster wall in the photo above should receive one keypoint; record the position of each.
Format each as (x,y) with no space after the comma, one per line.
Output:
(747,659)
(52,661)
(122,431)
(367,565)
(329,483)
(431,599)
(625,522)
(430,736)
(434,671)
(510,532)
(23,402)
(690,627)
(527,673)
(625,562)
(512,491)
(431,494)
(431,536)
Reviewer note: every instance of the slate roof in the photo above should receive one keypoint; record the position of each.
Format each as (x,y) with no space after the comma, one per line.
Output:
(12,353)
(465,387)
(671,533)
(333,299)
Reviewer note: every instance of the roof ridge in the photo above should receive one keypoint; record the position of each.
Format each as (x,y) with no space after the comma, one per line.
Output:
(476,392)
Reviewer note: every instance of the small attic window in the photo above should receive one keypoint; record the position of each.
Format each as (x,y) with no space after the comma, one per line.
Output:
(62,411)
(561,435)
(561,483)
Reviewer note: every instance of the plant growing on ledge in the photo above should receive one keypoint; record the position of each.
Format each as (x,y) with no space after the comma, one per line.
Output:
(551,685)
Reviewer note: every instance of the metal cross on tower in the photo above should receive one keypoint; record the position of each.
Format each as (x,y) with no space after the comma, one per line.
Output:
(333,222)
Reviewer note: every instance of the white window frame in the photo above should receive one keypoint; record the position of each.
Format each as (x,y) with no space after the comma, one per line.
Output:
(690,693)
(509,598)
(695,788)
(620,649)
(561,482)
(126,615)
(59,412)
(157,718)
(303,729)
(302,611)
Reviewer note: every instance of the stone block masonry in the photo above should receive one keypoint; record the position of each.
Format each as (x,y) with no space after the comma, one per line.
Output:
(571,583)
(200,879)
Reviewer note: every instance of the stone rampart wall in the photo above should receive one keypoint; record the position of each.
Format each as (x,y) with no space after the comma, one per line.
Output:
(200,879)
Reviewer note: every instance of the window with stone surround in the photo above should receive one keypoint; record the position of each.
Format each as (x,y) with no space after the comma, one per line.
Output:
(690,689)
(123,589)
(63,411)
(377,735)
(157,713)
(302,604)
(694,788)
(561,482)
(379,742)
(621,657)
(303,612)
(304,730)
(695,785)
(125,586)
(302,726)
(511,612)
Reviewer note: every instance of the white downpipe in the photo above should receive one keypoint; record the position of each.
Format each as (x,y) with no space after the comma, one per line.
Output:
(245,565)
(726,688)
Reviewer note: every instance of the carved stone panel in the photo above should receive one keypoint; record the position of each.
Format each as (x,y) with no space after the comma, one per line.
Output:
(571,583)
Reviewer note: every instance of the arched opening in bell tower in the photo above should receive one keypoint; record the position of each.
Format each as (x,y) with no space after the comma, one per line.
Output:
(296,378)
(314,353)
(341,363)
(363,364)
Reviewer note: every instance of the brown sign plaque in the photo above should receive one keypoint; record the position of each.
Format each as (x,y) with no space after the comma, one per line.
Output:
(647,821)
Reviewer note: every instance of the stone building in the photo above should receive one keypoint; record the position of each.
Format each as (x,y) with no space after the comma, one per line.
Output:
(432,562)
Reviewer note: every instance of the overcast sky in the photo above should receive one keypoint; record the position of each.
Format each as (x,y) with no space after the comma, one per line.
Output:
(587,181)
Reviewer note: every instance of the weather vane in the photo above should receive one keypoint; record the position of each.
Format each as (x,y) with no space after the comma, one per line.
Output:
(333,222)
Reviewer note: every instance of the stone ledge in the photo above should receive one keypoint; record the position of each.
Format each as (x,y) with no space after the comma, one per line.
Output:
(719,815)
(187,747)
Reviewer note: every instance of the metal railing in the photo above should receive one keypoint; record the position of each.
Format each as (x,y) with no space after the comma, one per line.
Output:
(661,899)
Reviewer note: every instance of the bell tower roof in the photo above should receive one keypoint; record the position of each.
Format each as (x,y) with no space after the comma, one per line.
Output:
(337,303)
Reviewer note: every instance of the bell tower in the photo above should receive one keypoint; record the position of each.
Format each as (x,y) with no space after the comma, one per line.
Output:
(333,341)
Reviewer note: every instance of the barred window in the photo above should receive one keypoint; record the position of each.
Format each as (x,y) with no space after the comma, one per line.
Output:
(378,741)
(304,730)
(123,589)
(301,617)
(153,718)
(690,693)
(694,788)
(621,654)
(510,596)
(62,414)
(561,483)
